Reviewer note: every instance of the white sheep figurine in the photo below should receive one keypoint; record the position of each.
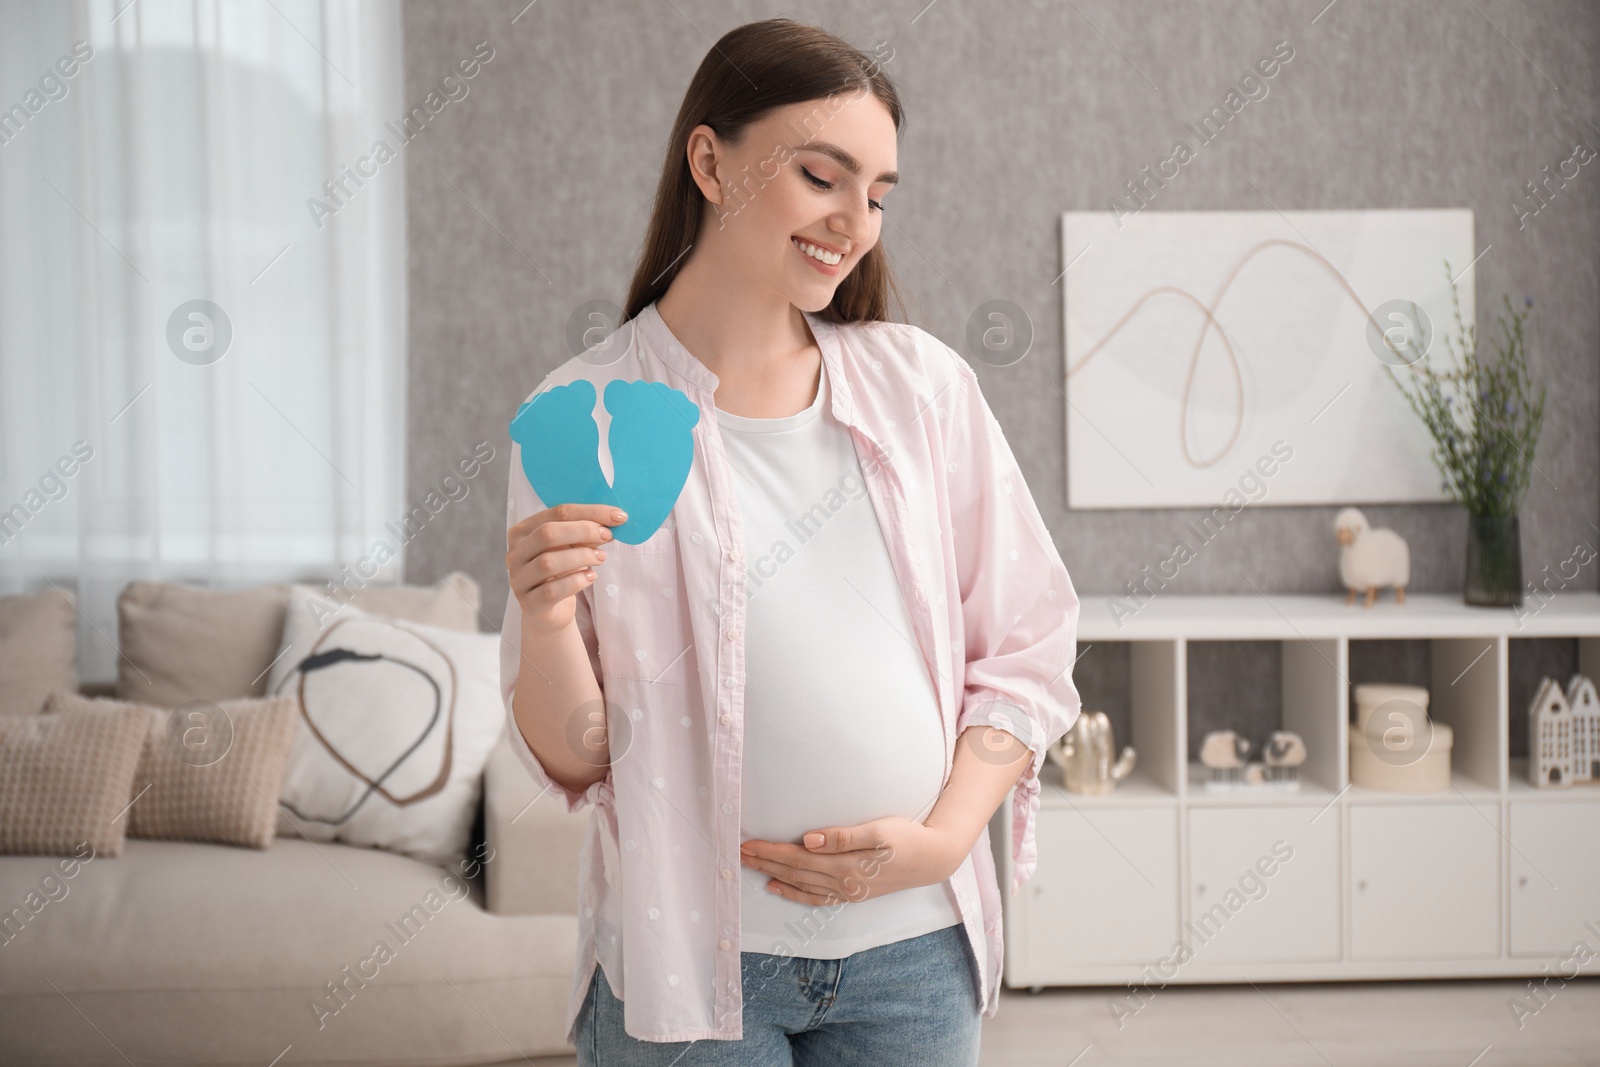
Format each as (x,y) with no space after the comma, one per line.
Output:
(1223,753)
(1370,559)
(1224,750)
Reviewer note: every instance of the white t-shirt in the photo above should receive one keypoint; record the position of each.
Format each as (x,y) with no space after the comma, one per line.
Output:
(841,718)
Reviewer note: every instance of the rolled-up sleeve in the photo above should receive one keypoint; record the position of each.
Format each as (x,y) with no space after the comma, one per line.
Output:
(522,501)
(1019,608)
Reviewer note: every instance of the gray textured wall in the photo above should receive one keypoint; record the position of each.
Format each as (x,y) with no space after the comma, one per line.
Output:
(529,196)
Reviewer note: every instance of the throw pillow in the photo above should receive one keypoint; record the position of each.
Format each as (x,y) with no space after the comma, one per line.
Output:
(38,649)
(397,720)
(65,779)
(181,642)
(207,772)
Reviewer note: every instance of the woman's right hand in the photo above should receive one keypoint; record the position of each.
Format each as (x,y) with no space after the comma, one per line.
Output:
(550,556)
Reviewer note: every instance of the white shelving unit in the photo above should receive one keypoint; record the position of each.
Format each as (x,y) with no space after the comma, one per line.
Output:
(1161,881)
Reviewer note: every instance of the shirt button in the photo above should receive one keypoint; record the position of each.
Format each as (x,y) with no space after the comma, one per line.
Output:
(725,944)
(727,808)
(727,873)
(726,720)
(733,556)
(733,635)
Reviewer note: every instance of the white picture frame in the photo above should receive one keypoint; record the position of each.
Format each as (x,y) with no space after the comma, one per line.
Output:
(1156,416)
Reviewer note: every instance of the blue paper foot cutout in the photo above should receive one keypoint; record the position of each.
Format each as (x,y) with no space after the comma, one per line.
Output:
(652,449)
(561,446)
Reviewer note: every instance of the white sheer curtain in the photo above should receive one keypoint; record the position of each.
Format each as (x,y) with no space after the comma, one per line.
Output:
(187,158)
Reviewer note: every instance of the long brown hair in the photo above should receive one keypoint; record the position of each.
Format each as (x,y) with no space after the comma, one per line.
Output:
(752,70)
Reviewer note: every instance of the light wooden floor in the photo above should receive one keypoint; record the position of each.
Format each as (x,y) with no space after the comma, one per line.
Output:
(1325,1024)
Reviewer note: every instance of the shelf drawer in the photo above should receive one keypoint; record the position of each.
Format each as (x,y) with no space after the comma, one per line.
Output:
(1263,884)
(1105,891)
(1424,881)
(1555,875)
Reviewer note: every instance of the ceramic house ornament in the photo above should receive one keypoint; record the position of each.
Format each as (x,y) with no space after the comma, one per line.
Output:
(1370,559)
(1584,701)
(1564,733)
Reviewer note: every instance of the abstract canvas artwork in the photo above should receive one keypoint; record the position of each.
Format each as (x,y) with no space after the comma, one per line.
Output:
(1207,348)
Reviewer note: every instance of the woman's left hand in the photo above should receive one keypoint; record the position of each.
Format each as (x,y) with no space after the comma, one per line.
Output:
(855,863)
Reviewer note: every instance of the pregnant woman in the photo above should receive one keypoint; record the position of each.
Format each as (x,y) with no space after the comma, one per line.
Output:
(796,702)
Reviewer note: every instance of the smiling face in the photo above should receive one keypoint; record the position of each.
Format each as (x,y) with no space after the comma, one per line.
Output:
(798,202)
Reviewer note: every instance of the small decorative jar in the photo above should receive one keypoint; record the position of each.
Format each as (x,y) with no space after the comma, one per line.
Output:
(1394,746)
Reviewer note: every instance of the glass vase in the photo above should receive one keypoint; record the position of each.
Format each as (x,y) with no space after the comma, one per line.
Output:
(1494,561)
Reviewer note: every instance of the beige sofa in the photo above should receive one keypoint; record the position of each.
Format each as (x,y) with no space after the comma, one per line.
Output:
(180,953)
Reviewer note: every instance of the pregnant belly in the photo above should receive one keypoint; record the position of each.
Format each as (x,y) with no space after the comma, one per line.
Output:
(802,773)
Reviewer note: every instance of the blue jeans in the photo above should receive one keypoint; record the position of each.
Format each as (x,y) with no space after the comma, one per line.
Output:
(912,1002)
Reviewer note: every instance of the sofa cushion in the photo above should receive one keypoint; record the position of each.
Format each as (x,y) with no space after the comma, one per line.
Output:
(207,772)
(65,779)
(182,642)
(183,953)
(390,751)
(539,845)
(454,602)
(38,649)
